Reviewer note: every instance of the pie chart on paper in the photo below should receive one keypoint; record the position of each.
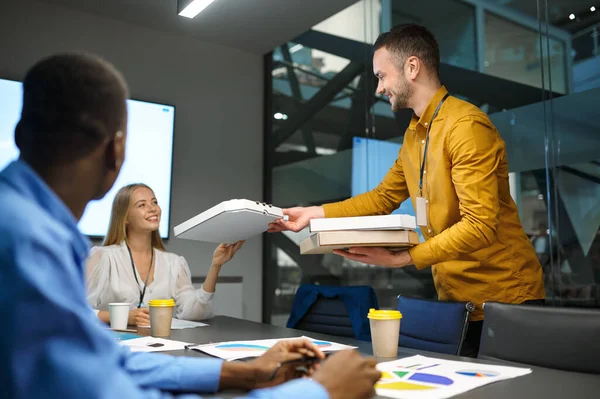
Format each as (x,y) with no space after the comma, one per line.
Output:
(402,380)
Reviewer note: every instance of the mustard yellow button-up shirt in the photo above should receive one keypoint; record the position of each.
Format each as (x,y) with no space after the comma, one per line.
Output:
(475,242)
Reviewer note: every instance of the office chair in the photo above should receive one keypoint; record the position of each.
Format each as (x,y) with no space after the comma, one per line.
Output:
(340,311)
(431,325)
(558,338)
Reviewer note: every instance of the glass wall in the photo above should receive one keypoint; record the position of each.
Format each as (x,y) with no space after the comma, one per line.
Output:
(328,136)
(516,52)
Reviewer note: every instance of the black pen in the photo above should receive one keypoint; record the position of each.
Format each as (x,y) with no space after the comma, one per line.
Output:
(194,346)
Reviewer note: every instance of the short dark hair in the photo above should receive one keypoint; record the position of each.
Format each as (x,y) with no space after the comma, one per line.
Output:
(71,103)
(409,40)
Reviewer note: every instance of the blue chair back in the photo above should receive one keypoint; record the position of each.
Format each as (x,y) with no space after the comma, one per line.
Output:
(435,326)
(340,311)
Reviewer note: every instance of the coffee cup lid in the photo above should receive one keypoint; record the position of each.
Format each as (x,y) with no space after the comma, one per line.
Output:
(161,302)
(384,314)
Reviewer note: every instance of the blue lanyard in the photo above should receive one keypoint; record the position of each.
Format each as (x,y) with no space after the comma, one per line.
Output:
(427,144)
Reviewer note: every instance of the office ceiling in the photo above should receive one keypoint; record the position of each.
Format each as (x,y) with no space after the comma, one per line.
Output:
(254,26)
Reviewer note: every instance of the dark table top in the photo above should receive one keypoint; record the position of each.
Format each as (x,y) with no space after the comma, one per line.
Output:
(541,383)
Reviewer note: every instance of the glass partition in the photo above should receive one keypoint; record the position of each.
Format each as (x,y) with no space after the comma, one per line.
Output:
(329,136)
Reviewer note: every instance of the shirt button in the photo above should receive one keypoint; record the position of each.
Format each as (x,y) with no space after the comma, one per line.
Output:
(424,172)
(429,231)
(422,141)
(426,123)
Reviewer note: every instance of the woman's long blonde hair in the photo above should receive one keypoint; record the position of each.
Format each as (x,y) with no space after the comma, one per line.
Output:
(117,230)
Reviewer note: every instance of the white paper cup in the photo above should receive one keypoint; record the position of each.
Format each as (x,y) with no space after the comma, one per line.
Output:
(385,331)
(119,314)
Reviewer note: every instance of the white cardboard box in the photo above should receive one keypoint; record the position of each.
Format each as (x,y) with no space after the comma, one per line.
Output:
(229,222)
(380,222)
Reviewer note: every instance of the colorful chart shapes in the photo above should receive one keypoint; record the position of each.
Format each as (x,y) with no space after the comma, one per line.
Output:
(387,376)
(242,347)
(124,336)
(401,373)
(478,373)
(431,379)
(429,366)
(322,344)
(403,386)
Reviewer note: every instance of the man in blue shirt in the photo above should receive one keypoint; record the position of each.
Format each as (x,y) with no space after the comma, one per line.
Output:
(72,135)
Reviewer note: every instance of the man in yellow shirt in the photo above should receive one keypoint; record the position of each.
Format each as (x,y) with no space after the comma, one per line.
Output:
(453,166)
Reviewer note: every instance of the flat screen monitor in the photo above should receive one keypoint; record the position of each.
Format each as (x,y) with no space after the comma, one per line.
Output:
(148,156)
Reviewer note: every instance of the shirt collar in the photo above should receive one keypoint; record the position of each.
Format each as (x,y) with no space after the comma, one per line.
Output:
(425,119)
(28,183)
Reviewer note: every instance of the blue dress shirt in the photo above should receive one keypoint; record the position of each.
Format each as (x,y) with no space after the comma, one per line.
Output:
(51,343)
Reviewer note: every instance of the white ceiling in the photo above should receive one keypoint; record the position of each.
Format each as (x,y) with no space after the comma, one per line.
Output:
(254,26)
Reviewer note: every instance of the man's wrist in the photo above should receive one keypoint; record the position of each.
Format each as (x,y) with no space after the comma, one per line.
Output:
(237,375)
(402,259)
(215,265)
(318,212)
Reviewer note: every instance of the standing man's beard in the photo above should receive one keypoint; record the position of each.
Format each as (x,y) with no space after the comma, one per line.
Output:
(401,95)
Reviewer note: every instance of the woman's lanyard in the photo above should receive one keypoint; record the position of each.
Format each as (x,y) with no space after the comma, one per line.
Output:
(427,144)
(142,293)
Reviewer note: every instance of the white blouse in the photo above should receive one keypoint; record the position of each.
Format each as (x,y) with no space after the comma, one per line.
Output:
(110,278)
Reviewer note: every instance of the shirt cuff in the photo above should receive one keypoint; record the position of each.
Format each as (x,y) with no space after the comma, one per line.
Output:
(203,296)
(199,375)
(422,255)
(297,389)
(333,210)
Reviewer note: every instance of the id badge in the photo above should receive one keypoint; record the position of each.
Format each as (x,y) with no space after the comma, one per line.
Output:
(421,212)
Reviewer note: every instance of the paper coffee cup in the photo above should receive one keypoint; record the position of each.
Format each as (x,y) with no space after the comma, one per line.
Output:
(385,332)
(119,314)
(161,315)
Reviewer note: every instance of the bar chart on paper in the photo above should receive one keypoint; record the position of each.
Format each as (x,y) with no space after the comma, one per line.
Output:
(422,377)
(478,373)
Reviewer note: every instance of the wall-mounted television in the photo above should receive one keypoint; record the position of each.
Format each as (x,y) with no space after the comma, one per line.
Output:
(148,157)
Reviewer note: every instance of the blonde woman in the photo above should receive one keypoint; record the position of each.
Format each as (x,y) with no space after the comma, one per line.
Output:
(133,266)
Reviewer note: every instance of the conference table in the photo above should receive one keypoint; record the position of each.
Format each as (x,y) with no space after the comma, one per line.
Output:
(541,383)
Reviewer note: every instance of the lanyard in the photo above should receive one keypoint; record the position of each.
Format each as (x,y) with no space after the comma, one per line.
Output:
(142,293)
(427,144)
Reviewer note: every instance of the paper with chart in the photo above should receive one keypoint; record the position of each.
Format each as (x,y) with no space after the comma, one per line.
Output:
(235,350)
(424,377)
(151,344)
(179,324)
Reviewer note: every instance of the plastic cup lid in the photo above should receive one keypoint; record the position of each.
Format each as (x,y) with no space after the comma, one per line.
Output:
(384,314)
(161,302)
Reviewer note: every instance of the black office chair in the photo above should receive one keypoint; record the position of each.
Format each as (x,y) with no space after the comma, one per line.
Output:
(558,338)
